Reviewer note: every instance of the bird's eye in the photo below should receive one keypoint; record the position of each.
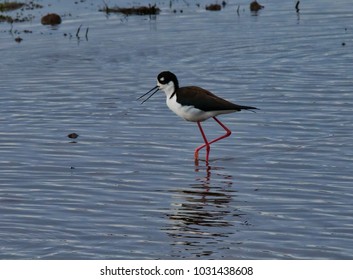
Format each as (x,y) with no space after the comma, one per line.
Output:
(161,79)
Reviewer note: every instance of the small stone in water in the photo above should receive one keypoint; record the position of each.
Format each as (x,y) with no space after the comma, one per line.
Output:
(73,135)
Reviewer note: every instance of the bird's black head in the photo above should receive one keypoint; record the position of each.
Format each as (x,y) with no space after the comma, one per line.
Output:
(166,77)
(167,82)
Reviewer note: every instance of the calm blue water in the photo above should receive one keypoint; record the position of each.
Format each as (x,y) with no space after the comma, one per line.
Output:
(128,187)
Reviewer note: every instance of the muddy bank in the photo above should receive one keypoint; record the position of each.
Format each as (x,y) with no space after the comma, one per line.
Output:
(142,10)
(20,16)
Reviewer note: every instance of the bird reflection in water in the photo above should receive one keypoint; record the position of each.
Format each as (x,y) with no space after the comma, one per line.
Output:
(203,214)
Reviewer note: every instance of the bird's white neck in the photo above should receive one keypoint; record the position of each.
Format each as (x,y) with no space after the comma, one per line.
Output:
(168,89)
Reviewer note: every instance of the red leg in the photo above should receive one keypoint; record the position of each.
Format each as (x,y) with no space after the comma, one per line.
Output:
(228,132)
(207,144)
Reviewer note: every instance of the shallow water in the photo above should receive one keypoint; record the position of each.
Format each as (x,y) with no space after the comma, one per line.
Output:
(128,187)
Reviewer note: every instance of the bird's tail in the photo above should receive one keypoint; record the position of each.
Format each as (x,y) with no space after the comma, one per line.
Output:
(250,108)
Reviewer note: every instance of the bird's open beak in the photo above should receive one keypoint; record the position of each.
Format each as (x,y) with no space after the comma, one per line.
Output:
(155,89)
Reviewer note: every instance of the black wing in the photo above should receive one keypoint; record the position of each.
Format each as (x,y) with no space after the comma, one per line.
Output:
(206,101)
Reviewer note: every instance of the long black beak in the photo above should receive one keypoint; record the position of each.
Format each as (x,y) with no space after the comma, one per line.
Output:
(156,88)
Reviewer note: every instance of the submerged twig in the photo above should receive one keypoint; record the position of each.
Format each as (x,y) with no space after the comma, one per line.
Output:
(78,31)
(297,6)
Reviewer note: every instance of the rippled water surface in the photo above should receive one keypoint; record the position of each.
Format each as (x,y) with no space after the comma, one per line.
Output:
(128,187)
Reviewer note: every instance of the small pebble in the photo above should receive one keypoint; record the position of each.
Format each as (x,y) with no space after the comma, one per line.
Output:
(51,19)
(18,39)
(72,135)
(255,6)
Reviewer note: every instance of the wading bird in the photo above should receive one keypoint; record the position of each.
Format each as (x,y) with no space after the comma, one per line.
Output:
(194,104)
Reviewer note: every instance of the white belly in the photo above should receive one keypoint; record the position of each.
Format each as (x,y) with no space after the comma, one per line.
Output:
(189,113)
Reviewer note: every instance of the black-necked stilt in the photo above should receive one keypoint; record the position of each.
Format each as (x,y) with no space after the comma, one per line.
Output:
(194,104)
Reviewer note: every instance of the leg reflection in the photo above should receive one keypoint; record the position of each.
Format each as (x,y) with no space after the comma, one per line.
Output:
(203,213)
